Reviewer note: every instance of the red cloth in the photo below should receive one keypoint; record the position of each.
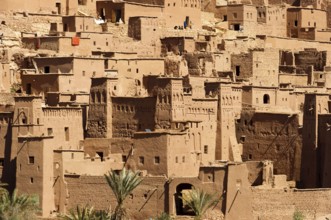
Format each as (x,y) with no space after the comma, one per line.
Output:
(75,41)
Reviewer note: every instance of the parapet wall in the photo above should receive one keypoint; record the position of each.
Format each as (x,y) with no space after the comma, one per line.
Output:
(281,204)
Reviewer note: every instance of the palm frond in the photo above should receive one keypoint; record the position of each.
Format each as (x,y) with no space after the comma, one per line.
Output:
(122,185)
(200,201)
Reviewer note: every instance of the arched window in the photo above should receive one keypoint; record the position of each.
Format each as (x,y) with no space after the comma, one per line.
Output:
(266,99)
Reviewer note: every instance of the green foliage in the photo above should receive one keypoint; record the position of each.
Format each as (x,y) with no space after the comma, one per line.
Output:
(297,215)
(122,185)
(200,201)
(163,216)
(86,213)
(15,87)
(17,207)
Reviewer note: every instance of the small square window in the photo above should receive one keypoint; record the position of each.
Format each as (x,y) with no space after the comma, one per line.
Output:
(31,180)
(124,158)
(157,160)
(31,160)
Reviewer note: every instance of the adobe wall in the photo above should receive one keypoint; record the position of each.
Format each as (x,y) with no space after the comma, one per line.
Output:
(280,204)
(295,44)
(149,2)
(31,6)
(150,152)
(324,151)
(270,136)
(312,57)
(176,12)
(213,7)
(196,63)
(7,171)
(131,114)
(242,65)
(61,45)
(147,200)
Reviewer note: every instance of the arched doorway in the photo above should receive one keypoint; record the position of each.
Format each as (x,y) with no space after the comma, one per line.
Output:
(266,99)
(182,191)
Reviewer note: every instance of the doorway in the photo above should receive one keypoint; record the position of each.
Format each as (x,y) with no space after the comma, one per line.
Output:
(118,14)
(182,191)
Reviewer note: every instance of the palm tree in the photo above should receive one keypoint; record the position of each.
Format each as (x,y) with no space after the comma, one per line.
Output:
(199,201)
(86,213)
(17,207)
(122,185)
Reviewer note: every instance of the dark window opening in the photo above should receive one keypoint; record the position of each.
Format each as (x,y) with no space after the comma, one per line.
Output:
(102,13)
(28,88)
(100,154)
(31,160)
(46,69)
(24,120)
(225,18)
(242,139)
(296,23)
(106,64)
(2,162)
(141,160)
(124,158)
(31,180)
(266,99)
(237,70)
(250,156)
(236,27)
(65,27)
(118,15)
(66,131)
(156,160)
(58,6)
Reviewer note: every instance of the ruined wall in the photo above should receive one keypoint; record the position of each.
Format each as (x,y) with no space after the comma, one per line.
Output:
(311,57)
(281,204)
(270,136)
(196,63)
